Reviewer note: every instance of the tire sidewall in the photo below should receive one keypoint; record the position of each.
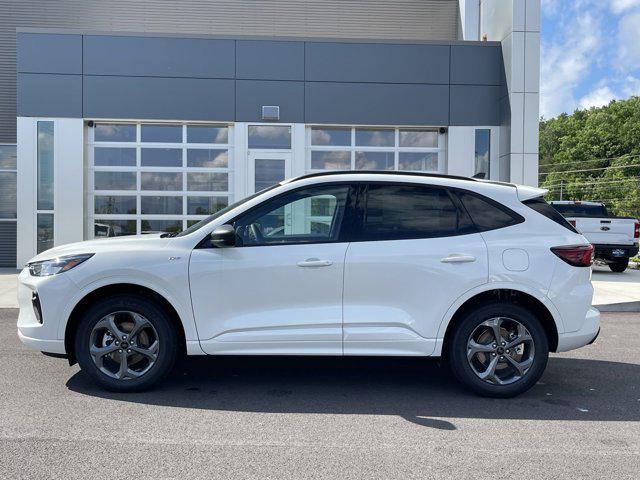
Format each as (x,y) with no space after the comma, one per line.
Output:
(160,321)
(468,324)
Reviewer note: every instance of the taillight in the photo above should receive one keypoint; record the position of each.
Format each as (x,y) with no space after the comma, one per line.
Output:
(636,230)
(576,255)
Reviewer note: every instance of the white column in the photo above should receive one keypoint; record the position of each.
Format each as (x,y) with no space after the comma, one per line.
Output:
(69,211)
(469,19)
(26,184)
(461,151)
(516,23)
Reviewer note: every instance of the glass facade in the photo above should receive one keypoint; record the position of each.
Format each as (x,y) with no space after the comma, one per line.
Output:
(482,160)
(45,185)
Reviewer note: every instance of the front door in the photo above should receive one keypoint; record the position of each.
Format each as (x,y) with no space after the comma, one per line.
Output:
(279,290)
(266,168)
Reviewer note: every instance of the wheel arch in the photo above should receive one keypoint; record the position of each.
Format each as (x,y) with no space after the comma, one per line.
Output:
(113,289)
(506,295)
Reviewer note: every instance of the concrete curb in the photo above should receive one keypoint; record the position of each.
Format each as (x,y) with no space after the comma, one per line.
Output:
(626,307)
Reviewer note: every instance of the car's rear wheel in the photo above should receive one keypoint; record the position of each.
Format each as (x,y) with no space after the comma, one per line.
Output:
(619,265)
(499,350)
(126,343)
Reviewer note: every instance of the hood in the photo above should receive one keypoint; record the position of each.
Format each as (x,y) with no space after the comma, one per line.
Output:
(130,242)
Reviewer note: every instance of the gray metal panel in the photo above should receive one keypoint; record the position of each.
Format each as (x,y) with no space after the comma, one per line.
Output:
(376,62)
(475,105)
(159,57)
(43,53)
(265,60)
(159,98)
(251,95)
(49,95)
(376,104)
(8,241)
(476,65)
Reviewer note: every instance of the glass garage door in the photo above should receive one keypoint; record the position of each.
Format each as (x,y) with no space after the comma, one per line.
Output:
(146,177)
(375,148)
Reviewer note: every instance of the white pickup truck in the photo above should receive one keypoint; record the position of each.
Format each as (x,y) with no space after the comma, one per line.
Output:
(615,238)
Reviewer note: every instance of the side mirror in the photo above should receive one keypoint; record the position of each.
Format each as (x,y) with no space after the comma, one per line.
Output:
(224,236)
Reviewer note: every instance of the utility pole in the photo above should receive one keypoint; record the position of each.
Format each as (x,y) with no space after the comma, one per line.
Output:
(561,188)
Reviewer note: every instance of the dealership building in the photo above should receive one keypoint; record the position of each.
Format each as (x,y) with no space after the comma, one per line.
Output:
(127,117)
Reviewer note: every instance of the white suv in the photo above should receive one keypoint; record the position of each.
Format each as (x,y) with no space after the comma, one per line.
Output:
(356,263)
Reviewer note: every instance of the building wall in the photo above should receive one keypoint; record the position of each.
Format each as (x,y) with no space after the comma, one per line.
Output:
(356,19)
(141,77)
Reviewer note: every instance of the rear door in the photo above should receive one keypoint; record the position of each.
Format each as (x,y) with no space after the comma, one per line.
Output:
(416,252)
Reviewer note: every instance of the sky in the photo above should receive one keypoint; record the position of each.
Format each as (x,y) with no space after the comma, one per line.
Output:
(590,53)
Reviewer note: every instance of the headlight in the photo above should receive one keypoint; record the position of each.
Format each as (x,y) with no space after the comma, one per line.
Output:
(54,266)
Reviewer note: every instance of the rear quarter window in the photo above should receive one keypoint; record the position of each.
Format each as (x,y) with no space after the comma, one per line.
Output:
(543,208)
(486,213)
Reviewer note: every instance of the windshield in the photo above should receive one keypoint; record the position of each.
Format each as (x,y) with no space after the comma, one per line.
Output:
(219,213)
(580,210)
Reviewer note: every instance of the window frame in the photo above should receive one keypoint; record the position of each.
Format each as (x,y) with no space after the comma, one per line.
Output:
(346,227)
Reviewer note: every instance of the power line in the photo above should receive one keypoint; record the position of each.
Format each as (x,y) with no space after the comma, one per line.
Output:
(571,162)
(579,184)
(591,169)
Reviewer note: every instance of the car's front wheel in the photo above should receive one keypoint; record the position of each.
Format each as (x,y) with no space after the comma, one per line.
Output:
(126,343)
(499,350)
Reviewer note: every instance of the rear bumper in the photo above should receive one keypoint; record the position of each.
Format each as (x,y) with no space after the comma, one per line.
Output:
(586,335)
(614,252)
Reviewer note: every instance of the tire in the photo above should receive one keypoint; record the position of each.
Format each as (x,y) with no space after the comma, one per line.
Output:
(619,265)
(156,337)
(473,324)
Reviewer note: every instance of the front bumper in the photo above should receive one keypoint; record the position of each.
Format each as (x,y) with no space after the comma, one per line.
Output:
(584,336)
(615,252)
(40,330)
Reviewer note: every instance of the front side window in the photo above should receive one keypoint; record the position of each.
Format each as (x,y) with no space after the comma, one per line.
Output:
(309,215)
(401,212)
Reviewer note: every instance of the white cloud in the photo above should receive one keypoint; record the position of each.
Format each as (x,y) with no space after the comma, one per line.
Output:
(619,6)
(597,98)
(566,63)
(631,86)
(629,42)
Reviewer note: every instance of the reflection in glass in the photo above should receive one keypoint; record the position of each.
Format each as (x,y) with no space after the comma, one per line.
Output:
(161,133)
(45,166)
(270,136)
(205,205)
(114,157)
(114,132)
(207,182)
(372,137)
(113,228)
(333,136)
(155,226)
(338,160)
(115,204)
(206,158)
(419,138)
(8,197)
(418,161)
(8,156)
(375,161)
(161,157)
(482,153)
(207,134)
(161,205)
(45,231)
(269,171)
(161,181)
(115,180)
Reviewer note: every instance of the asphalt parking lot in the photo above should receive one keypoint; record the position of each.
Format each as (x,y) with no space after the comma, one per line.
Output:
(303,418)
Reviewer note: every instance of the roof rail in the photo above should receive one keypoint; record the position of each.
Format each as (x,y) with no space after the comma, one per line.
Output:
(378,172)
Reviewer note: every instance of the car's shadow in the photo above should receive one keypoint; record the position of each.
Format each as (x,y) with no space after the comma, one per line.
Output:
(418,390)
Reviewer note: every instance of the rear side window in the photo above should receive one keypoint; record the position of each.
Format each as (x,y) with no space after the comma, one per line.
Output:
(400,212)
(539,205)
(580,210)
(487,214)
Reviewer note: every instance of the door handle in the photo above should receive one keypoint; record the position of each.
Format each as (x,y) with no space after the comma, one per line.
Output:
(458,258)
(314,262)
